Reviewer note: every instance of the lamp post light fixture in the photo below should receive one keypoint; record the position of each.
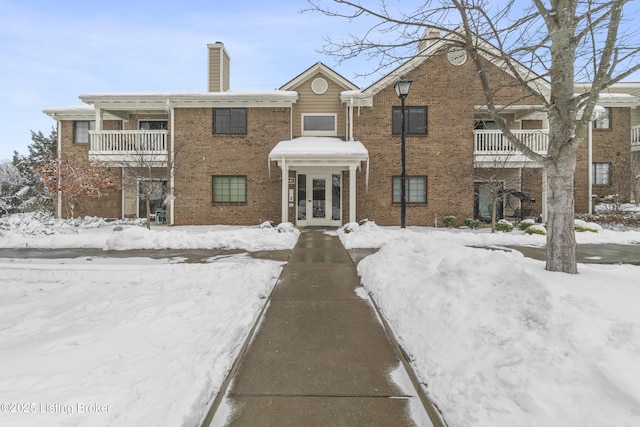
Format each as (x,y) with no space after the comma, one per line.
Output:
(402,90)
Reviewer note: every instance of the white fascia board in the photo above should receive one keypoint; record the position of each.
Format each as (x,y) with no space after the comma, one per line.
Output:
(75,112)
(133,101)
(359,98)
(326,71)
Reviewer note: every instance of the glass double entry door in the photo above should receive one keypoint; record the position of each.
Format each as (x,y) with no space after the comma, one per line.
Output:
(319,199)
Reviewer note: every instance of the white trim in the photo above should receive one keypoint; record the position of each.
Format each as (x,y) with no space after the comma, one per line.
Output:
(285,188)
(327,72)
(172,171)
(333,132)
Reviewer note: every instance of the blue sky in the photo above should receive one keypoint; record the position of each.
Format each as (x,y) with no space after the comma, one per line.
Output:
(53,51)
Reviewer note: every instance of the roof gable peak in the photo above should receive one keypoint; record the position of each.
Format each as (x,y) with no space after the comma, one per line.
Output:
(326,71)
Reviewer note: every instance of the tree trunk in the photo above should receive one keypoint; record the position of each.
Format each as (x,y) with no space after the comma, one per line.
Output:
(561,237)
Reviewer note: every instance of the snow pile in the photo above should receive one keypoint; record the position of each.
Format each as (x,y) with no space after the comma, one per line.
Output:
(150,346)
(42,231)
(498,340)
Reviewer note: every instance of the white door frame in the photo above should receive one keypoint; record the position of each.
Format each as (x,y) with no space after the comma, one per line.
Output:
(327,220)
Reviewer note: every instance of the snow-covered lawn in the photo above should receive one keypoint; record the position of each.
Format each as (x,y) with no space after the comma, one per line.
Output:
(497,339)
(125,342)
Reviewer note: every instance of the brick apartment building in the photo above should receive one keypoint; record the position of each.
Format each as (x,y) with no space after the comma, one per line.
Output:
(321,151)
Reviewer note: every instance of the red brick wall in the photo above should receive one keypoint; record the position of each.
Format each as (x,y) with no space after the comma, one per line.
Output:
(444,155)
(609,146)
(108,206)
(207,154)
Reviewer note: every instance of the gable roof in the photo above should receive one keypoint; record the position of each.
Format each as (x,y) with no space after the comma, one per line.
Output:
(536,82)
(319,67)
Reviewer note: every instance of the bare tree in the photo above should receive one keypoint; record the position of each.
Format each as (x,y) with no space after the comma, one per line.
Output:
(546,45)
(76,180)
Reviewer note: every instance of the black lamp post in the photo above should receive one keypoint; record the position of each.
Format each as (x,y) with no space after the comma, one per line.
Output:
(402,90)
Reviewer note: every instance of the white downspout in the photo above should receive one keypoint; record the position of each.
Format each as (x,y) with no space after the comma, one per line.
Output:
(285,187)
(352,193)
(59,160)
(351,119)
(544,196)
(589,167)
(172,170)
(122,191)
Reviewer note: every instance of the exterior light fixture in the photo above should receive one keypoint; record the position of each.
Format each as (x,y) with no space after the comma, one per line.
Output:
(402,90)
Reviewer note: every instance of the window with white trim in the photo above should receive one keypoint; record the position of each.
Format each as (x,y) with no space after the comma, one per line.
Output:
(415,189)
(81,130)
(601,173)
(319,125)
(602,118)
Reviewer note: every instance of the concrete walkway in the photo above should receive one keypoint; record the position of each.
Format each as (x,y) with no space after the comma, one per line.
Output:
(321,356)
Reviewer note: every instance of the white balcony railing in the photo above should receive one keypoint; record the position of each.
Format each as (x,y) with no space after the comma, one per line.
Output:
(133,141)
(635,138)
(129,146)
(488,142)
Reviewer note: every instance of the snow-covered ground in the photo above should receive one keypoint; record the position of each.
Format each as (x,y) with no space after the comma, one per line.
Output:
(92,341)
(498,340)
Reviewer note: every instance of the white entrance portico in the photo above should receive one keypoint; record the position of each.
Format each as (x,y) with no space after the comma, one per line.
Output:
(319,163)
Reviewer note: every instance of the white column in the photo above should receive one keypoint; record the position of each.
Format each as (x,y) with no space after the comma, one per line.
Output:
(172,170)
(59,153)
(99,118)
(544,196)
(352,193)
(285,187)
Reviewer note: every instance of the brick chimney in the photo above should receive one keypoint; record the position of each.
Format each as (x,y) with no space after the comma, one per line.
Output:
(218,68)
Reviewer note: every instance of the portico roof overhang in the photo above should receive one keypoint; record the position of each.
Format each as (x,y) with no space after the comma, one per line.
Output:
(320,152)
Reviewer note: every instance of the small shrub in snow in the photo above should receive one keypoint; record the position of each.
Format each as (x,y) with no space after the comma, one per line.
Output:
(473,224)
(286,227)
(536,229)
(504,225)
(266,224)
(449,221)
(526,223)
(350,227)
(582,226)
(363,221)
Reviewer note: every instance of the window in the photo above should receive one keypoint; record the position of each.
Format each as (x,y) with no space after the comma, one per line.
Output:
(229,189)
(602,118)
(416,189)
(415,120)
(153,125)
(602,174)
(319,124)
(485,125)
(230,120)
(81,130)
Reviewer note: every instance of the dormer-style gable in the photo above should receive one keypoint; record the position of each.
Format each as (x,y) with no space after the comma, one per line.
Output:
(319,110)
(313,72)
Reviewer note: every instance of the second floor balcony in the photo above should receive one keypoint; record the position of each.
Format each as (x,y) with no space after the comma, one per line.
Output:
(133,148)
(492,149)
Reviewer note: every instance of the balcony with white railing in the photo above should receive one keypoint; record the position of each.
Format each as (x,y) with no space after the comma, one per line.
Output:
(492,149)
(635,138)
(129,147)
